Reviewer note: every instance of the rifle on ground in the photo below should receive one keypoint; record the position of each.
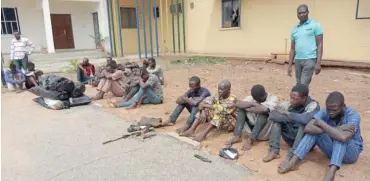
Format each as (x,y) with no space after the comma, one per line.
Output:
(135,133)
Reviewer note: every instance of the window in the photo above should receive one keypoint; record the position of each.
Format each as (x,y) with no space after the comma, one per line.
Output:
(230,13)
(128,17)
(156,12)
(9,21)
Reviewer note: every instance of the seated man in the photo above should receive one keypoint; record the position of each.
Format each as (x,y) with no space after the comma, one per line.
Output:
(145,64)
(150,92)
(216,110)
(85,71)
(32,76)
(95,81)
(132,84)
(14,78)
(155,69)
(254,111)
(289,120)
(111,80)
(190,100)
(336,131)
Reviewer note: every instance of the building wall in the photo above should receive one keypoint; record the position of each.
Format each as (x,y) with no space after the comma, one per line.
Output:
(129,36)
(266,25)
(32,24)
(130,39)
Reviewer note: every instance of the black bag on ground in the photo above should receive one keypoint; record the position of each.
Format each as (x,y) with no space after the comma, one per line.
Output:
(42,92)
(54,87)
(57,83)
(79,101)
(79,90)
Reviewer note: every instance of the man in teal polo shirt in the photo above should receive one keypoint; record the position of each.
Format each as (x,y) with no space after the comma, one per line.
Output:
(306,47)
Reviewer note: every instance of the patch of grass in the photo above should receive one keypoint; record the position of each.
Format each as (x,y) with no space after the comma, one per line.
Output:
(199,60)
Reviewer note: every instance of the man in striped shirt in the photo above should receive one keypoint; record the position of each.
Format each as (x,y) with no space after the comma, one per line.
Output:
(20,49)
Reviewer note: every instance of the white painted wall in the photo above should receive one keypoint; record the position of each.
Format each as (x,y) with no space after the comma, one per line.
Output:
(32,23)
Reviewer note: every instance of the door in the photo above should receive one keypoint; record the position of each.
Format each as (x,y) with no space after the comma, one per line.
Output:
(62,31)
(96,28)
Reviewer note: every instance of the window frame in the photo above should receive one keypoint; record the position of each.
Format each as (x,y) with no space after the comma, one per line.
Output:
(122,17)
(15,9)
(222,15)
(357,16)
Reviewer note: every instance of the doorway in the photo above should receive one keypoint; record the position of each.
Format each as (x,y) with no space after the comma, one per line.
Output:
(62,31)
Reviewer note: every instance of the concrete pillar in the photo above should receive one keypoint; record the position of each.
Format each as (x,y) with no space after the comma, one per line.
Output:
(48,28)
(103,23)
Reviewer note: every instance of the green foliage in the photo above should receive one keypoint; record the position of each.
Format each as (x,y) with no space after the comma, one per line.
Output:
(199,60)
(72,66)
(98,39)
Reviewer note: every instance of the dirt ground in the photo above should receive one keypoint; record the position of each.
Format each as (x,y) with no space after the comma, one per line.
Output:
(353,84)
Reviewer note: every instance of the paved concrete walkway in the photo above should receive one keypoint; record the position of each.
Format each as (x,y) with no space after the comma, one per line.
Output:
(67,145)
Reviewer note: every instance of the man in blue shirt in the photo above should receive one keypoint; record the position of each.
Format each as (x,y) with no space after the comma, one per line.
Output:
(336,131)
(14,78)
(190,100)
(306,47)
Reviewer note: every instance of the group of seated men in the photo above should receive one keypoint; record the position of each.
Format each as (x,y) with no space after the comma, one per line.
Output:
(300,122)
(17,80)
(136,85)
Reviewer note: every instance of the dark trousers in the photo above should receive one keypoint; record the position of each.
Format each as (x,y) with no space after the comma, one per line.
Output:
(2,74)
(242,120)
(193,110)
(21,63)
(81,76)
(291,134)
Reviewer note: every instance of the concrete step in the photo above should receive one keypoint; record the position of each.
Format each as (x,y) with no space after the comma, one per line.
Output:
(64,66)
(62,56)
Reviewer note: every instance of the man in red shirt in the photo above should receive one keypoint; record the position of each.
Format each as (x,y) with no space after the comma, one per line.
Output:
(85,71)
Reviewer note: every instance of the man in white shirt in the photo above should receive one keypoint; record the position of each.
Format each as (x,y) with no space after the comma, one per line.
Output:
(20,49)
(253,113)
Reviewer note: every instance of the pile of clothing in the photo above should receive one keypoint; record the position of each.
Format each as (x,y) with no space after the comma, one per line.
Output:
(57,93)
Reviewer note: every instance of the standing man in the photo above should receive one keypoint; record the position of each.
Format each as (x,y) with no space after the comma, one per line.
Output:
(306,47)
(20,49)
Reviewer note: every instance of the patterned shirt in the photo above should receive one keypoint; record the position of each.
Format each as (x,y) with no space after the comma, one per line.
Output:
(20,48)
(154,82)
(220,106)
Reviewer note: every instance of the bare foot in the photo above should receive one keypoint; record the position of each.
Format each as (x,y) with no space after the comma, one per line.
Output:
(234,139)
(199,138)
(271,156)
(286,167)
(98,96)
(167,123)
(112,104)
(133,106)
(285,161)
(182,129)
(188,133)
(331,174)
(247,145)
